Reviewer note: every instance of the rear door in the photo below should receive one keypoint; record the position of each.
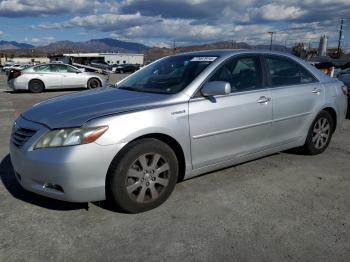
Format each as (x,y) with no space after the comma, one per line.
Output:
(226,127)
(48,74)
(296,95)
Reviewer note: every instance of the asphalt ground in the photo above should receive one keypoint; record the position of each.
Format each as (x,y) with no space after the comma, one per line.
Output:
(284,207)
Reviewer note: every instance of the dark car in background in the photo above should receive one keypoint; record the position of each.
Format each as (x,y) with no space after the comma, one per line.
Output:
(126,68)
(100,64)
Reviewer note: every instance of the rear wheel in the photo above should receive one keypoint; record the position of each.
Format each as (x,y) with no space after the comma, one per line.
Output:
(93,83)
(36,86)
(320,134)
(143,177)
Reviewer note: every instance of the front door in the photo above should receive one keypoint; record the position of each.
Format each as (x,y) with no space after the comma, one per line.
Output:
(227,127)
(71,77)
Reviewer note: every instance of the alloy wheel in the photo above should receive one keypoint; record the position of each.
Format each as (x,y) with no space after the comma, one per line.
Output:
(147,177)
(321,133)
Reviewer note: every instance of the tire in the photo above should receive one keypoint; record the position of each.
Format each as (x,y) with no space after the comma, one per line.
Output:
(93,83)
(122,71)
(36,86)
(320,134)
(143,176)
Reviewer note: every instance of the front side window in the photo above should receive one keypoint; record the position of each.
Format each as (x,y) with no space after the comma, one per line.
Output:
(59,68)
(242,73)
(167,76)
(71,69)
(283,71)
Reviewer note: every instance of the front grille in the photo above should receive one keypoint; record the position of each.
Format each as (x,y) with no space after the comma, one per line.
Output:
(21,135)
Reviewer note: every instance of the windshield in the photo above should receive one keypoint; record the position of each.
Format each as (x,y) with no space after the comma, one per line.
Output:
(167,76)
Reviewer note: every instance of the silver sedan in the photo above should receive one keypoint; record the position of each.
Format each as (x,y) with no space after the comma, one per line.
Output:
(53,76)
(176,118)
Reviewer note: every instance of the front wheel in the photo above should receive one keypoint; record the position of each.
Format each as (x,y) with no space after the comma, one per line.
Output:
(93,83)
(320,134)
(143,177)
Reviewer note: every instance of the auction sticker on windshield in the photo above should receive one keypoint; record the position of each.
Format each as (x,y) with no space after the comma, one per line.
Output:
(203,59)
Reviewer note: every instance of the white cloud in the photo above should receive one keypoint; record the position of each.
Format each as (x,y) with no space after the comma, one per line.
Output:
(275,12)
(40,41)
(155,21)
(103,22)
(13,8)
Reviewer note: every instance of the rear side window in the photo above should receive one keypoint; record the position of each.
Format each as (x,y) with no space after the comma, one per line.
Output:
(284,72)
(42,68)
(242,73)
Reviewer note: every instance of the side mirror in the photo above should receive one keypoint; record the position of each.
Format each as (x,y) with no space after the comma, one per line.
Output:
(216,88)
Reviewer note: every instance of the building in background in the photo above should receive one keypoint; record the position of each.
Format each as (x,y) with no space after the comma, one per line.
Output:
(110,58)
(24,60)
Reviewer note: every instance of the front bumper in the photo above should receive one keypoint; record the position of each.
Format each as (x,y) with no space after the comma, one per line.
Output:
(74,174)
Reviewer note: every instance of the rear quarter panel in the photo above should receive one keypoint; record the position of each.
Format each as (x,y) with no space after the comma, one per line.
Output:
(336,99)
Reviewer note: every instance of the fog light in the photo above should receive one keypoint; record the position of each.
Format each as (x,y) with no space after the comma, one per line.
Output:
(53,187)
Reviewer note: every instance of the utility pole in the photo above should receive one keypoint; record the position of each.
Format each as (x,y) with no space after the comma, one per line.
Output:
(340,34)
(271,33)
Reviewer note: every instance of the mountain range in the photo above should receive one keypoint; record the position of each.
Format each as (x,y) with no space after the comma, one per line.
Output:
(93,45)
(113,45)
(5,45)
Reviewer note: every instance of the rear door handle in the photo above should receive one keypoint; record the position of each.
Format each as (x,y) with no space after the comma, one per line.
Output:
(316,91)
(264,100)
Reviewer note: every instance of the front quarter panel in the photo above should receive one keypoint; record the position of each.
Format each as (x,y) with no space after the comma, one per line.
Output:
(167,120)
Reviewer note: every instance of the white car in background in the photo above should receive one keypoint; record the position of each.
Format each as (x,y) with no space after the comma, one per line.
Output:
(15,67)
(7,66)
(53,76)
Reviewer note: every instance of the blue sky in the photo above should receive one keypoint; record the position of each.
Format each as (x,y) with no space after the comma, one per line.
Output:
(159,23)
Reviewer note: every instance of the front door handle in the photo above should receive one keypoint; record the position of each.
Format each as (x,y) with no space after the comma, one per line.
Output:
(316,91)
(264,100)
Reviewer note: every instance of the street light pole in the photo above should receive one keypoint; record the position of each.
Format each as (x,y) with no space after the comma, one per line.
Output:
(340,35)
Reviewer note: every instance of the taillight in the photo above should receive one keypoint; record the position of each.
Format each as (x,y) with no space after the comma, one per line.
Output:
(345,90)
(16,74)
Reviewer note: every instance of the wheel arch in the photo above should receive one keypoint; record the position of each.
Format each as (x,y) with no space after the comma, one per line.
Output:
(167,139)
(36,79)
(333,114)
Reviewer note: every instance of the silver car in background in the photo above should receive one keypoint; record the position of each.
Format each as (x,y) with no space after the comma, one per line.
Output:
(179,117)
(38,78)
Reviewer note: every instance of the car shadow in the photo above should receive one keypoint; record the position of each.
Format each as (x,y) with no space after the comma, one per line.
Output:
(10,182)
(46,91)
(107,205)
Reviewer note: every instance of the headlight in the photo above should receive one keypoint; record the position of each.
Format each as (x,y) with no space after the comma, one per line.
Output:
(70,137)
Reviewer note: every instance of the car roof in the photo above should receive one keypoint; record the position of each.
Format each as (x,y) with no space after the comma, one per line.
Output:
(229,52)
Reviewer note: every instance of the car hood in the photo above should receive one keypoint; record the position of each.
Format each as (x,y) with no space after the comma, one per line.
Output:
(75,109)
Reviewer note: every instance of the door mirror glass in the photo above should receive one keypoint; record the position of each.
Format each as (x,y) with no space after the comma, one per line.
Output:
(216,88)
